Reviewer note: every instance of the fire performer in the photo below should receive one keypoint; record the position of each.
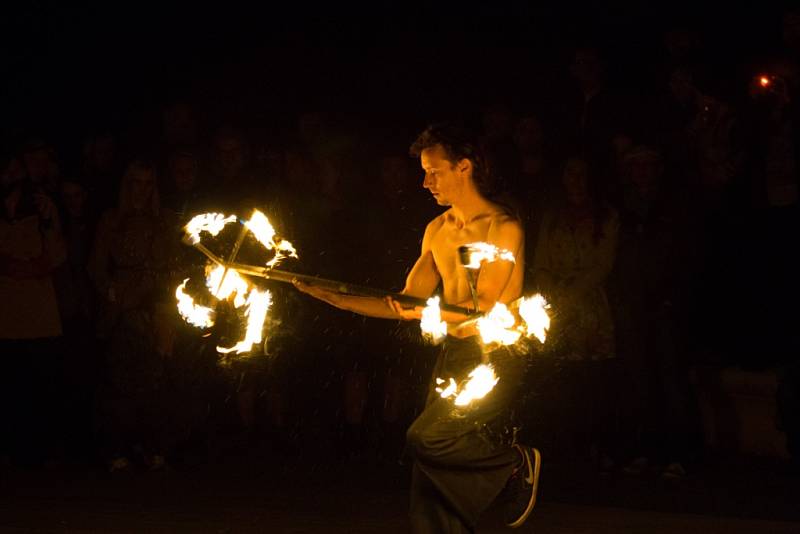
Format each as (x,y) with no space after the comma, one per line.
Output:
(463,457)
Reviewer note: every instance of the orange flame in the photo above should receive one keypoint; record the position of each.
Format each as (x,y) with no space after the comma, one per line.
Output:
(265,233)
(194,314)
(480,252)
(481,381)
(533,311)
(431,324)
(212,223)
(498,326)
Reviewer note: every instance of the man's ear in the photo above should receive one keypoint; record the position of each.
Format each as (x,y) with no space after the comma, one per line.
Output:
(464,166)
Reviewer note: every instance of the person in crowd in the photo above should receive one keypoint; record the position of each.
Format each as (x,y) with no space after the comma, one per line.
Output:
(651,287)
(574,256)
(130,269)
(31,249)
(76,300)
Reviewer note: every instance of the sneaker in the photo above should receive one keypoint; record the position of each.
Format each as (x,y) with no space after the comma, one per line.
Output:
(156,463)
(637,466)
(673,471)
(120,464)
(521,487)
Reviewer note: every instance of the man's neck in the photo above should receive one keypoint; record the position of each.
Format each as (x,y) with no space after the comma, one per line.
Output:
(469,209)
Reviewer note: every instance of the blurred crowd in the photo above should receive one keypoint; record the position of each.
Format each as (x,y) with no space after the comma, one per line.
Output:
(659,225)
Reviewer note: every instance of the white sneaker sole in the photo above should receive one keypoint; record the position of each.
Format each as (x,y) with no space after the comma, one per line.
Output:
(534,466)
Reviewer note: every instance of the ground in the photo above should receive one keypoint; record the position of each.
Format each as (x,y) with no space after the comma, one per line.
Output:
(249,489)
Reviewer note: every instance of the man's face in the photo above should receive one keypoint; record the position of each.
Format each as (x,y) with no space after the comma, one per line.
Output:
(442,178)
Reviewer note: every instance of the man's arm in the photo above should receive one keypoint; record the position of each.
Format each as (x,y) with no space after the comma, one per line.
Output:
(494,277)
(421,282)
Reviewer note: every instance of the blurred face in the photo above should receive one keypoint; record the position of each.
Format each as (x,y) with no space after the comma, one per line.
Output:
(38,164)
(575,182)
(230,156)
(443,179)
(644,174)
(74,198)
(587,67)
(13,173)
(143,186)
(104,153)
(529,135)
(184,173)
(681,86)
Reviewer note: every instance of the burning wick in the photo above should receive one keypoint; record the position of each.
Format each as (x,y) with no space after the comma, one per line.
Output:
(213,223)
(261,228)
(194,314)
(431,323)
(473,254)
(533,311)
(498,326)
(481,381)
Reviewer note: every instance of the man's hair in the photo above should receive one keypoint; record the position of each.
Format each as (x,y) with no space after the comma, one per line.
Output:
(459,143)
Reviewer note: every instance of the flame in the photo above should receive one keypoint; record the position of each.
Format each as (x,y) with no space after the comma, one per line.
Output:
(431,322)
(533,311)
(480,252)
(498,326)
(481,381)
(764,81)
(449,391)
(212,223)
(265,233)
(194,314)
(232,284)
(258,303)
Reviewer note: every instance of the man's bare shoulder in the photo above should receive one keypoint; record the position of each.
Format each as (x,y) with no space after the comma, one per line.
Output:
(437,222)
(502,221)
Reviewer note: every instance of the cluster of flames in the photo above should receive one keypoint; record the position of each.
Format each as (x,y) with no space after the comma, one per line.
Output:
(227,284)
(498,327)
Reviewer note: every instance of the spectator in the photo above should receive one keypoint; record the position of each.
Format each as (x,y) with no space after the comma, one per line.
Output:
(31,248)
(129,267)
(650,286)
(574,256)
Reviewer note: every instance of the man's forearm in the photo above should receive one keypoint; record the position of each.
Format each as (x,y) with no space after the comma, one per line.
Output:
(369,306)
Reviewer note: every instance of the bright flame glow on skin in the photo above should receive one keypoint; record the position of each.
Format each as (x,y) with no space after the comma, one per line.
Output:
(480,252)
(497,326)
(431,322)
(265,233)
(212,223)
(481,381)
(258,303)
(194,314)
(533,311)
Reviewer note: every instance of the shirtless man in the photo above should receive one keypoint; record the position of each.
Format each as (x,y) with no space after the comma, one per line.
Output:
(462,460)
